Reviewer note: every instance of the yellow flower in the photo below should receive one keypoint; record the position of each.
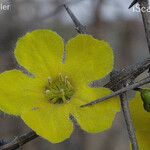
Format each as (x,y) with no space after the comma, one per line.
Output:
(55,91)
(141,121)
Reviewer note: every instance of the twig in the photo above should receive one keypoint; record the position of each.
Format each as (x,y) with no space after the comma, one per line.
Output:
(133,3)
(130,72)
(128,120)
(53,13)
(19,141)
(125,89)
(78,26)
(59,8)
(146,19)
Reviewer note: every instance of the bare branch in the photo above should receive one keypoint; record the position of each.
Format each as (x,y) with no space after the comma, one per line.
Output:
(19,141)
(125,89)
(78,26)
(146,18)
(130,72)
(128,120)
(51,14)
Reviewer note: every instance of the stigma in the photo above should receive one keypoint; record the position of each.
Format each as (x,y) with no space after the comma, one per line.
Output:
(59,90)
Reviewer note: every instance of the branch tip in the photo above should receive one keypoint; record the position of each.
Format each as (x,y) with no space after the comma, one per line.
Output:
(78,26)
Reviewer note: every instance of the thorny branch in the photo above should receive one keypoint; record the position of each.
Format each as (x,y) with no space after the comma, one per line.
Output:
(130,72)
(127,73)
(119,92)
(146,19)
(78,26)
(19,141)
(128,120)
(51,14)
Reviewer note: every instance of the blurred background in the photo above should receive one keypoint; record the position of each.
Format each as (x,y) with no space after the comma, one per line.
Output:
(110,20)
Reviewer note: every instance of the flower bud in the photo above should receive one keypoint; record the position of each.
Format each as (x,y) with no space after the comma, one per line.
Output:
(145,94)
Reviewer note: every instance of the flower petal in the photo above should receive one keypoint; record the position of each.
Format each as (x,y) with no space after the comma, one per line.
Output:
(18,92)
(141,121)
(98,117)
(40,52)
(87,59)
(50,121)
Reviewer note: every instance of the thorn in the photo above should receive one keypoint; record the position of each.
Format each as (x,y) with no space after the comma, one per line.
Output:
(133,3)
(78,26)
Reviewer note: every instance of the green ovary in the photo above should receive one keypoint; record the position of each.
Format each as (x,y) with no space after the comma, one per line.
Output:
(145,94)
(59,91)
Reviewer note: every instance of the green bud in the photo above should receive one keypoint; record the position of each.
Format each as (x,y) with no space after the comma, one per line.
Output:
(146,107)
(145,95)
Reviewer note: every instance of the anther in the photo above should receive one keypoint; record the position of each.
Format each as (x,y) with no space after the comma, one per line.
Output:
(69,84)
(49,80)
(66,79)
(63,95)
(62,91)
(60,77)
(54,100)
(47,91)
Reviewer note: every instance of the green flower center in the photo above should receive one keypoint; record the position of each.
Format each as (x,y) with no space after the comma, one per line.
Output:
(59,90)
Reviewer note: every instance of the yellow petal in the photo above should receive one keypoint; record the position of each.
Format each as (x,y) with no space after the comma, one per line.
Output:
(141,121)
(87,59)
(40,52)
(18,92)
(98,117)
(50,121)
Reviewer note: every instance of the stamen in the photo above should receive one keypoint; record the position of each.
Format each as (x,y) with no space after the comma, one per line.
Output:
(60,77)
(59,90)
(49,80)
(54,100)
(47,91)
(63,95)
(66,79)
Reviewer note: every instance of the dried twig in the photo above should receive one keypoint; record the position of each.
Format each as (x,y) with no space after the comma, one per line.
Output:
(130,72)
(121,91)
(78,26)
(19,141)
(128,120)
(51,14)
(146,18)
